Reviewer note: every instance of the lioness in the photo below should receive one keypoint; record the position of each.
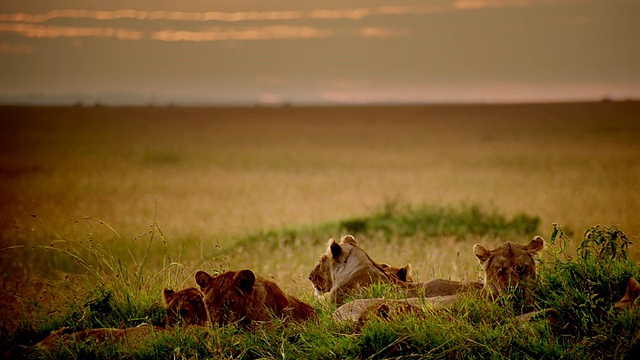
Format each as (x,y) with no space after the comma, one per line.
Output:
(361,310)
(508,265)
(185,306)
(66,338)
(629,300)
(242,297)
(345,267)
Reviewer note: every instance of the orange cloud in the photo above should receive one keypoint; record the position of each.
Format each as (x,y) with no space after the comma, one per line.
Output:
(33,25)
(252,33)
(278,15)
(52,32)
(320,14)
(381,32)
(276,32)
(7,48)
(481,4)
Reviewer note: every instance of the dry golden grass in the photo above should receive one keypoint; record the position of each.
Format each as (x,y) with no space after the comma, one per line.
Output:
(214,174)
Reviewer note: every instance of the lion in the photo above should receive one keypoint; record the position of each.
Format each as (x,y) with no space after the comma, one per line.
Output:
(353,268)
(345,267)
(444,287)
(185,306)
(241,297)
(361,310)
(508,265)
(65,337)
(630,298)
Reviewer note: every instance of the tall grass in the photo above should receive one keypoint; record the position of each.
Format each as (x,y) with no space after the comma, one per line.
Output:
(580,285)
(219,174)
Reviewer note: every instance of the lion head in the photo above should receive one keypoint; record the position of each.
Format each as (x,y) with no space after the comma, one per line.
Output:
(509,264)
(629,300)
(185,305)
(241,297)
(227,296)
(345,266)
(320,276)
(398,274)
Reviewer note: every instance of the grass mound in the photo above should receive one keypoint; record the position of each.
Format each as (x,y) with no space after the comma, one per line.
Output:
(394,220)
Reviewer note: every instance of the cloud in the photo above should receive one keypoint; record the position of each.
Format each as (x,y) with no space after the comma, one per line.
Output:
(35,25)
(276,32)
(15,49)
(382,32)
(53,32)
(436,6)
(320,14)
(481,4)
(251,33)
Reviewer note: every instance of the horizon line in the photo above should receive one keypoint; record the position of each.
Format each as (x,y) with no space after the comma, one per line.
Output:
(302,104)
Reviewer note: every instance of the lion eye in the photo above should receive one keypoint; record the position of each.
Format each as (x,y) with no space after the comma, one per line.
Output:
(522,270)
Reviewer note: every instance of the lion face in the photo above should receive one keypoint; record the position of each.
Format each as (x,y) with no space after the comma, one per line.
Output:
(629,300)
(228,296)
(185,305)
(509,264)
(320,276)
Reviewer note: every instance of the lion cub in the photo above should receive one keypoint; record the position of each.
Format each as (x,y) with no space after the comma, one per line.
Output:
(186,306)
(183,307)
(241,297)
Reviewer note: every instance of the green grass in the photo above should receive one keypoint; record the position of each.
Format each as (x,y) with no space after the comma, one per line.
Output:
(581,285)
(397,220)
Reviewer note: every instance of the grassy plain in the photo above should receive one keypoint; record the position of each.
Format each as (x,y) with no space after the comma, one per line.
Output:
(163,192)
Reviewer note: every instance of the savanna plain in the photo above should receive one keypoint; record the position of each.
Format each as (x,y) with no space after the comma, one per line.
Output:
(103,207)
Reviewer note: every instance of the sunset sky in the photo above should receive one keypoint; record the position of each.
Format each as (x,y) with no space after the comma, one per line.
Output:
(331,51)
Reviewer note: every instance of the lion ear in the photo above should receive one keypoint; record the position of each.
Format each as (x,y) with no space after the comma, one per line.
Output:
(404,273)
(535,245)
(168,295)
(633,289)
(203,279)
(383,311)
(348,239)
(336,250)
(245,280)
(481,252)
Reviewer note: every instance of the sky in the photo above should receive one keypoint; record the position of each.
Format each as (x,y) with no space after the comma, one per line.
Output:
(331,51)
